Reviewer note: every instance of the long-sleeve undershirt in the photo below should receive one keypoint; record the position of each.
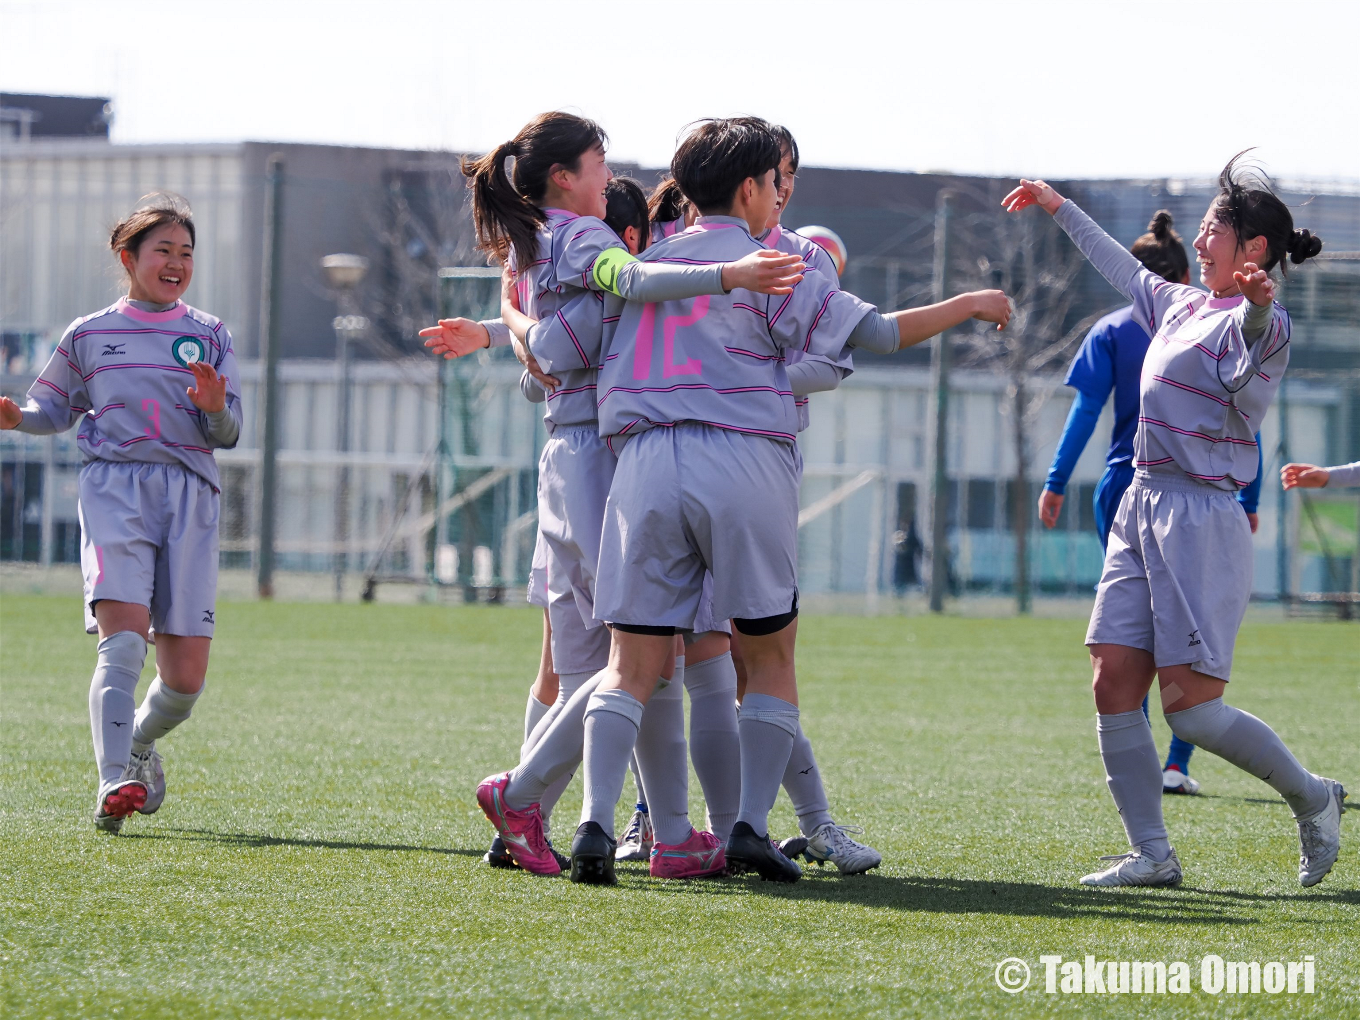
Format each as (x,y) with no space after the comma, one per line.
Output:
(812,376)
(1344,475)
(877,333)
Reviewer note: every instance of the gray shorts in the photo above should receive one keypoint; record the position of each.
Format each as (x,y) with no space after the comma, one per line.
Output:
(574,474)
(148,535)
(537,592)
(1177,574)
(693,498)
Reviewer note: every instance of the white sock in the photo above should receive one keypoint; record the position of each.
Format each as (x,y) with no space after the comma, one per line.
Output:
(803,784)
(767,726)
(664,760)
(555,746)
(1134,774)
(1254,747)
(612,722)
(534,711)
(714,741)
(113,705)
(162,710)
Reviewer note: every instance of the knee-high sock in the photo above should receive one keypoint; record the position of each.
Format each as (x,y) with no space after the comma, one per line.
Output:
(1254,747)
(1134,776)
(555,745)
(113,707)
(803,784)
(612,722)
(534,711)
(767,725)
(637,783)
(664,760)
(714,741)
(162,710)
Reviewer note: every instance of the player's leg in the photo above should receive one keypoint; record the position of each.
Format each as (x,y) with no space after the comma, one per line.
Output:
(543,692)
(825,842)
(714,740)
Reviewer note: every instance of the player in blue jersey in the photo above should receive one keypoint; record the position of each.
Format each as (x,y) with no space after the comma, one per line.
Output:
(152,384)
(1111,361)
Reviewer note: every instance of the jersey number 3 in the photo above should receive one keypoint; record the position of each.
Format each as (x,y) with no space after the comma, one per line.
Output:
(646,336)
(152,410)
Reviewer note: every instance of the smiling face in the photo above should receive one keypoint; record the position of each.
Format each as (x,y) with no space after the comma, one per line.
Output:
(1220,254)
(162,266)
(786,184)
(582,190)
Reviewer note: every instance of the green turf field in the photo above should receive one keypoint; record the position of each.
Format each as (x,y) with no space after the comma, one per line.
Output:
(318,854)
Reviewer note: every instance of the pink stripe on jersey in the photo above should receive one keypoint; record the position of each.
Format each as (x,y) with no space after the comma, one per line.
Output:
(51,385)
(753,354)
(122,365)
(94,415)
(820,312)
(1197,435)
(695,386)
(750,308)
(1191,389)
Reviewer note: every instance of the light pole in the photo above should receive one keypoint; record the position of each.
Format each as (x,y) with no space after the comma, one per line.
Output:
(344,273)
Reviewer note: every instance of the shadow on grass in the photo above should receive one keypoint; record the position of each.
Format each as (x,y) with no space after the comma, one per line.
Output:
(246,839)
(1024,899)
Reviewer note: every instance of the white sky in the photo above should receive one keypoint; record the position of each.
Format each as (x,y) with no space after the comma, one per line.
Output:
(1093,88)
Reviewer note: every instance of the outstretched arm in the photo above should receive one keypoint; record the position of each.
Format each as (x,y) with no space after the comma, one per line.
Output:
(884,334)
(762,272)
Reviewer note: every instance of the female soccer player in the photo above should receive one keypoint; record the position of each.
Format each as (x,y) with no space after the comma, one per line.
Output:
(156,383)
(1111,360)
(547,225)
(695,394)
(1177,574)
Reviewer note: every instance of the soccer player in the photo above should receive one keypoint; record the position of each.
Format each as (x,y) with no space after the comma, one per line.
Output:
(1310,476)
(547,225)
(152,383)
(1177,573)
(1111,361)
(694,396)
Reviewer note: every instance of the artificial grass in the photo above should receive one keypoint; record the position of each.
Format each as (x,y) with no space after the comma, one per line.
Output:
(318,854)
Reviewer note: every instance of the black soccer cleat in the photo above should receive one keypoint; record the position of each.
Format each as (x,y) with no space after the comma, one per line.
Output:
(563,861)
(498,856)
(592,855)
(747,851)
(793,846)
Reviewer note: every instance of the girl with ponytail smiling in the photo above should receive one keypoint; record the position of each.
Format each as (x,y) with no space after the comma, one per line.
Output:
(1178,566)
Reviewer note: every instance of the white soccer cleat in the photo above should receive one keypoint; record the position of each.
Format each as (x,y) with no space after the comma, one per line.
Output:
(147,769)
(1176,781)
(638,839)
(1135,869)
(1320,836)
(831,843)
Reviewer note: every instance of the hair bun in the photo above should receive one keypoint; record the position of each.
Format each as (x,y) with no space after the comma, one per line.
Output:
(1303,245)
(1161,224)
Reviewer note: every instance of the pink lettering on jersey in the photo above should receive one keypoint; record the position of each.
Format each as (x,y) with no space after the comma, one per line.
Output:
(642,343)
(152,410)
(692,366)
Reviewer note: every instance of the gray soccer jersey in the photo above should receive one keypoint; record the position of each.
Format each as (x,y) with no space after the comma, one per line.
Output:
(718,359)
(814,255)
(127,371)
(1210,373)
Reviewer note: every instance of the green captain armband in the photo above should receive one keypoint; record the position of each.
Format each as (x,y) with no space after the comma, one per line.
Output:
(607,266)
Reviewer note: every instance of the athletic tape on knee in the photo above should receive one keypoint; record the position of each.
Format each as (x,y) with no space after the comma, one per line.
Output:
(668,690)
(619,702)
(768,709)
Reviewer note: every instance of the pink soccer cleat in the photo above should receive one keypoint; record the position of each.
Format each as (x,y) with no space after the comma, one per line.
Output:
(520,831)
(700,856)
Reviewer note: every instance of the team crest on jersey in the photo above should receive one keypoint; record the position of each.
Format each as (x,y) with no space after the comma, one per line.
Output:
(188,349)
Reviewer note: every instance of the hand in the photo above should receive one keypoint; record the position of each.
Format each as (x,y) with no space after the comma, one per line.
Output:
(10,414)
(509,292)
(1254,520)
(526,358)
(765,272)
(1304,476)
(455,338)
(993,306)
(209,391)
(1032,193)
(1050,506)
(1255,284)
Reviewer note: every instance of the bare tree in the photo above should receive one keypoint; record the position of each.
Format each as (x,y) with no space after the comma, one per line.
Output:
(1028,258)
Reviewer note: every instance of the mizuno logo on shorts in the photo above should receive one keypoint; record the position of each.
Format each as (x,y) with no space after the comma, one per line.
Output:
(208,616)
(1194,640)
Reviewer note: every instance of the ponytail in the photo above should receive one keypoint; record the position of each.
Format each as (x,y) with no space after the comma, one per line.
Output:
(506,209)
(1247,203)
(1161,249)
(667,202)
